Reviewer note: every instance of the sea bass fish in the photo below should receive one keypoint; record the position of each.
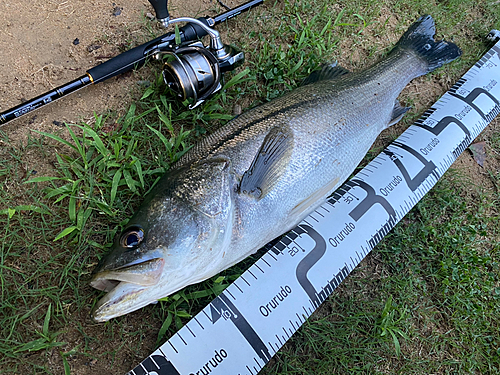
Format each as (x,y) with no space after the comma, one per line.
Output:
(259,175)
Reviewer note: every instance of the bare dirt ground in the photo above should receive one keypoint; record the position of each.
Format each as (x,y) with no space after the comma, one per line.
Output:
(47,43)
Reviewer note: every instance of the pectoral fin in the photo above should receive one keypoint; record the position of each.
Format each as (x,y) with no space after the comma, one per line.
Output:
(269,163)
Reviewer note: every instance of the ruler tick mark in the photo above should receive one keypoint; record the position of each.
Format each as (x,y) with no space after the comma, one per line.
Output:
(258,364)
(236,285)
(208,317)
(189,329)
(286,333)
(320,214)
(161,351)
(280,246)
(178,334)
(250,272)
(272,347)
(152,360)
(231,294)
(242,278)
(307,313)
(173,347)
(300,320)
(281,344)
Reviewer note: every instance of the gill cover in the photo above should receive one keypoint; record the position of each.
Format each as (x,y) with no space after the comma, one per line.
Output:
(189,205)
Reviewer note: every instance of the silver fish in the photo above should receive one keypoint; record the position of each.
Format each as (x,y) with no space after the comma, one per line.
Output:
(259,175)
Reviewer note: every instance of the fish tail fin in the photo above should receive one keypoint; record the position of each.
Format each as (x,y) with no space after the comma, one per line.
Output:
(420,38)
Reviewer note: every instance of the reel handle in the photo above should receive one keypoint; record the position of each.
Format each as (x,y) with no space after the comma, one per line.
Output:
(161,10)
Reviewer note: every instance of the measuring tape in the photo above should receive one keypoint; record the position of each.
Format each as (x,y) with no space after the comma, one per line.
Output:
(241,329)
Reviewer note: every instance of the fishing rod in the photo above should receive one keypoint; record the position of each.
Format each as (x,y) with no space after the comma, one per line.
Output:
(192,70)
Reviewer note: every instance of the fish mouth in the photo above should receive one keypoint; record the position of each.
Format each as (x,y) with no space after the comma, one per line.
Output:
(124,287)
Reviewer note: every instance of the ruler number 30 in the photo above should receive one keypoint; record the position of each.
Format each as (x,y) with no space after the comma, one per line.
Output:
(293,250)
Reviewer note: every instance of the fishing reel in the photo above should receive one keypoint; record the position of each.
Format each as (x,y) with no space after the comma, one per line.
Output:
(192,70)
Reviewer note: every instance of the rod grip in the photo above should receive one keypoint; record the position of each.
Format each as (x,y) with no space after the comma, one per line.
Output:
(124,62)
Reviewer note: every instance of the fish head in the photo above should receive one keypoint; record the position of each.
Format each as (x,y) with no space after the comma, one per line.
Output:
(177,237)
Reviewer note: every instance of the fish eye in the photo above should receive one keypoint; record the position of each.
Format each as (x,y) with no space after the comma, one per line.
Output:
(132,237)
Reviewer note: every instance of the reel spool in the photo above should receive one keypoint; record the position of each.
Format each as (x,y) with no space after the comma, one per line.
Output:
(193,72)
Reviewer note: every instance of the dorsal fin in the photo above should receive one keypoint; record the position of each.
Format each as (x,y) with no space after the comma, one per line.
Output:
(330,71)
(269,163)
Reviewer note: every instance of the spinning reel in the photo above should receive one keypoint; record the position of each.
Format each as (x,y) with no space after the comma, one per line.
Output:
(193,71)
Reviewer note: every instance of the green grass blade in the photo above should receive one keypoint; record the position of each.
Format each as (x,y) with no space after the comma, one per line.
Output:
(46,321)
(238,78)
(97,140)
(129,180)
(114,185)
(164,327)
(72,208)
(162,138)
(44,179)
(58,139)
(65,232)
(138,168)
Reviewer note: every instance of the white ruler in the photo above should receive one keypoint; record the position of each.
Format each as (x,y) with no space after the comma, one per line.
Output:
(241,329)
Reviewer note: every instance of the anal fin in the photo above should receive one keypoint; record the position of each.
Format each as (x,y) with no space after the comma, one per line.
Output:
(398,113)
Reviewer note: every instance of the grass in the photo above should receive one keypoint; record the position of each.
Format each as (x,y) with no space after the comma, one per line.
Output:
(425,301)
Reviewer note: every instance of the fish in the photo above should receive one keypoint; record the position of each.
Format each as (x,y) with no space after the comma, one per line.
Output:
(259,175)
